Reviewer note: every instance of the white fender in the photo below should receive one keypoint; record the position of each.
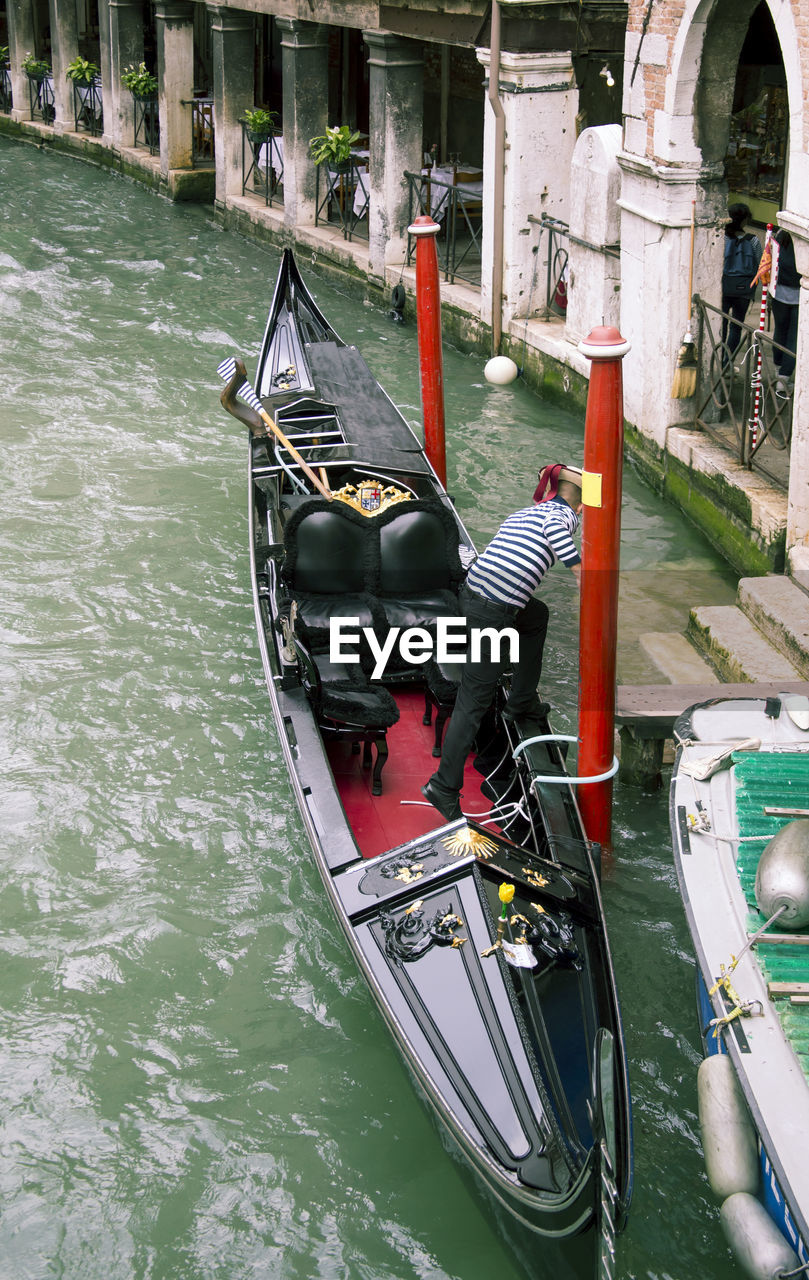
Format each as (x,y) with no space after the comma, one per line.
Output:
(757,1244)
(728,1136)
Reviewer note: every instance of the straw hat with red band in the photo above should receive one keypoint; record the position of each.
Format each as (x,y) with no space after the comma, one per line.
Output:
(549,480)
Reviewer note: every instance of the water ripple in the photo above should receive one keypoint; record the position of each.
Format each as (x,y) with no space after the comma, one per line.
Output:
(195,1082)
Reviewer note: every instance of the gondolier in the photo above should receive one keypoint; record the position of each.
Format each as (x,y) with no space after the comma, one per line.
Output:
(498,593)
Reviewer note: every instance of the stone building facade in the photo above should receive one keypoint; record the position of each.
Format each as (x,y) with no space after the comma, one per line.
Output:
(599,127)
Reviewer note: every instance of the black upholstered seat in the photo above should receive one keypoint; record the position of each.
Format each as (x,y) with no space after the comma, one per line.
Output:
(326,565)
(348,707)
(419,567)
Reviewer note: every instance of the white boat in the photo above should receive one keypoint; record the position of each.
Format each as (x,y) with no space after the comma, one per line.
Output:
(739,813)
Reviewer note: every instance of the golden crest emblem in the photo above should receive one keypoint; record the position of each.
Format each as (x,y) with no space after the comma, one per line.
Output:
(370,497)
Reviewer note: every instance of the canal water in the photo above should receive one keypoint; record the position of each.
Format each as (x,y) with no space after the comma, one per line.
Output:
(195,1085)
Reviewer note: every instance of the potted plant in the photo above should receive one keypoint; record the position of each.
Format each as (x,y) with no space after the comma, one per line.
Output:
(82,72)
(333,147)
(259,123)
(36,68)
(3,55)
(140,82)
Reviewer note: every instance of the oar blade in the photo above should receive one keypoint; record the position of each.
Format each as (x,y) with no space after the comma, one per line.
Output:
(227,369)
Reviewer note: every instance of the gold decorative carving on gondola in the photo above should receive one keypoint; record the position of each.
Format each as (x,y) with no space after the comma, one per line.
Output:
(535,878)
(410,936)
(408,875)
(370,497)
(465,840)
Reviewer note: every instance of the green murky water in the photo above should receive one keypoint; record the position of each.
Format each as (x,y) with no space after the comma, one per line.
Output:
(195,1085)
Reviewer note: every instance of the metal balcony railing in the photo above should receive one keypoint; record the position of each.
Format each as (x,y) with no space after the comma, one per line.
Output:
(6,101)
(741,400)
(147,124)
(40,99)
(202,132)
(458,209)
(342,197)
(263,166)
(88,108)
(553,246)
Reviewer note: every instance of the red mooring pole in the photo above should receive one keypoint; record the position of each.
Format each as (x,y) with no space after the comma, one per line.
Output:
(431,359)
(601,545)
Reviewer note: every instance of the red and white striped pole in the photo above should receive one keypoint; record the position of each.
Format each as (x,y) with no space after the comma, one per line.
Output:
(431,357)
(762,324)
(601,552)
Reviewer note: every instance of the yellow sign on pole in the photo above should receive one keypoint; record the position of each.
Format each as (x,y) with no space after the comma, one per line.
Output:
(591,488)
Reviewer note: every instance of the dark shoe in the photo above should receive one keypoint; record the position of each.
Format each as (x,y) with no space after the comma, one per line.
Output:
(447,802)
(535,710)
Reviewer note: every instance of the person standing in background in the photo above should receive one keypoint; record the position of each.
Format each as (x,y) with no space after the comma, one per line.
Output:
(785,290)
(741,261)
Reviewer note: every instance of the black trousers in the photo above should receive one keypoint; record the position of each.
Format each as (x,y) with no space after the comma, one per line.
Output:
(731,332)
(785,333)
(479,679)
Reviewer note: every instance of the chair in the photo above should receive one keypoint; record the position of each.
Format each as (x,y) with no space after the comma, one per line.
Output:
(348,707)
(419,566)
(326,550)
(470,205)
(440,691)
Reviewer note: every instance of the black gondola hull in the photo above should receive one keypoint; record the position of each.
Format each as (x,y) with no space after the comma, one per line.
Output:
(518,1048)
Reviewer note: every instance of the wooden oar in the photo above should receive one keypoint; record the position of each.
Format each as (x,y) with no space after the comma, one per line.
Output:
(226,370)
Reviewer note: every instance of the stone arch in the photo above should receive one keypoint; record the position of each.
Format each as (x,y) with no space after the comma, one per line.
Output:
(699,89)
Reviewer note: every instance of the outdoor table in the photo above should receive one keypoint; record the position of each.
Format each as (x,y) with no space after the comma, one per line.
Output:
(440,195)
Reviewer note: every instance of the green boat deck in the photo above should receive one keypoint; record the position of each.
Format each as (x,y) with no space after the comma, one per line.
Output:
(779,779)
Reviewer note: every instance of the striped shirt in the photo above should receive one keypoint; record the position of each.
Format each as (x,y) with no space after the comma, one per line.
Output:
(523,550)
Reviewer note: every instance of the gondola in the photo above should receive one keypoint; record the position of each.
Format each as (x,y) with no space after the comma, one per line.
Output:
(483,940)
(740,828)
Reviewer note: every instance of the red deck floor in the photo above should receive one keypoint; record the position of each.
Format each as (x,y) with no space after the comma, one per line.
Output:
(382,822)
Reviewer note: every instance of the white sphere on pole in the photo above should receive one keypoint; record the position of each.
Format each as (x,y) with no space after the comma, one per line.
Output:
(500,370)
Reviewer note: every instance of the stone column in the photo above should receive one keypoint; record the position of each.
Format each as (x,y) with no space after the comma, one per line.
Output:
(396,107)
(105,57)
(594,273)
(64,48)
(540,101)
(655,307)
(20,17)
(305,69)
(233,36)
(126,50)
(175,73)
(797,541)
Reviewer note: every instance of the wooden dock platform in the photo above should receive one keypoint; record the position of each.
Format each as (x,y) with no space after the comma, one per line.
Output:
(645,715)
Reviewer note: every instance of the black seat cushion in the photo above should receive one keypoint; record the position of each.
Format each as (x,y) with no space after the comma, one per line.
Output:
(366,706)
(315,612)
(420,610)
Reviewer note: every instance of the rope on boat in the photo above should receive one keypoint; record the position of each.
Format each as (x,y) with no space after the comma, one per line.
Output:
(740,1007)
(556,779)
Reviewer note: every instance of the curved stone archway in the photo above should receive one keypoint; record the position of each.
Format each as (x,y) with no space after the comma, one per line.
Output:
(680,76)
(699,88)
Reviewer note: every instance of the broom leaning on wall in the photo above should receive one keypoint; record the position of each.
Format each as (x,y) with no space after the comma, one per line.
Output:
(685,375)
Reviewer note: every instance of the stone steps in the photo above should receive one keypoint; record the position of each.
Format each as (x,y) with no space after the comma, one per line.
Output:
(735,647)
(764,636)
(780,610)
(761,640)
(677,659)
